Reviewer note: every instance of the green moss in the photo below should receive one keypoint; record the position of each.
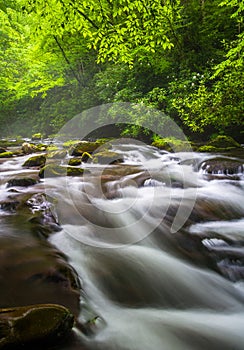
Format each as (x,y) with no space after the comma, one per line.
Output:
(23,182)
(25,325)
(220,144)
(222,141)
(68,144)
(59,154)
(74,171)
(54,170)
(171,144)
(107,157)
(207,148)
(37,136)
(6,155)
(74,161)
(85,146)
(52,148)
(38,160)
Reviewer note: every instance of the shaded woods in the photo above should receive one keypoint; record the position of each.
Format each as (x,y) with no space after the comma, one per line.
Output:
(59,58)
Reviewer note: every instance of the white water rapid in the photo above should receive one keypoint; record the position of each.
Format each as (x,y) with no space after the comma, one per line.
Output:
(157,243)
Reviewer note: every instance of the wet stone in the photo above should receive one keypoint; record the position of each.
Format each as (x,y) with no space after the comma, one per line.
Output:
(34,272)
(22,182)
(35,161)
(34,325)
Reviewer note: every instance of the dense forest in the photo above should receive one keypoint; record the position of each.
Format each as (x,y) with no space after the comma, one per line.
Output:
(61,57)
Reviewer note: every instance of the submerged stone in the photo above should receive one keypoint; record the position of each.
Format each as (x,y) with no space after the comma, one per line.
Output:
(35,324)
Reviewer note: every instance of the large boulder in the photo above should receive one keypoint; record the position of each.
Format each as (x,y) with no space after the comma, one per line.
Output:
(34,325)
(34,272)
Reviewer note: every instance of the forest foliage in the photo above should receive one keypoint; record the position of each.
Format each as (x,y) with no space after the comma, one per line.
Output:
(61,57)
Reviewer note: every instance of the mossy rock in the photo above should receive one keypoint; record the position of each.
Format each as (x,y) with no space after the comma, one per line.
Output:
(22,182)
(85,146)
(108,157)
(2,150)
(70,143)
(171,144)
(35,161)
(36,137)
(29,148)
(51,148)
(59,154)
(34,324)
(72,171)
(54,170)
(207,148)
(220,144)
(74,161)
(7,154)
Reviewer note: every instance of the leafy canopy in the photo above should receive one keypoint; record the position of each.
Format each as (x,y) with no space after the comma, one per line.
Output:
(120,30)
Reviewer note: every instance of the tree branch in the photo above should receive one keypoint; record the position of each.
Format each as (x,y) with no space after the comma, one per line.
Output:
(66,59)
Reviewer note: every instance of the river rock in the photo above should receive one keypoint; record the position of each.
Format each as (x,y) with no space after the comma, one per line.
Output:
(53,170)
(45,219)
(28,148)
(34,272)
(108,157)
(74,161)
(35,161)
(34,325)
(171,144)
(222,166)
(36,137)
(57,154)
(22,182)
(6,154)
(85,146)
(9,205)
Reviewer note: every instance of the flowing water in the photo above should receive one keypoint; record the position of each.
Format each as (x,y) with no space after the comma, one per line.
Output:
(157,243)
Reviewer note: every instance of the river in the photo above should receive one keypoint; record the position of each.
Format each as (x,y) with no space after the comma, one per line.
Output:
(157,243)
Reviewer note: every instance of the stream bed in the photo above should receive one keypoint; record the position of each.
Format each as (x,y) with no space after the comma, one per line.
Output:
(157,243)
